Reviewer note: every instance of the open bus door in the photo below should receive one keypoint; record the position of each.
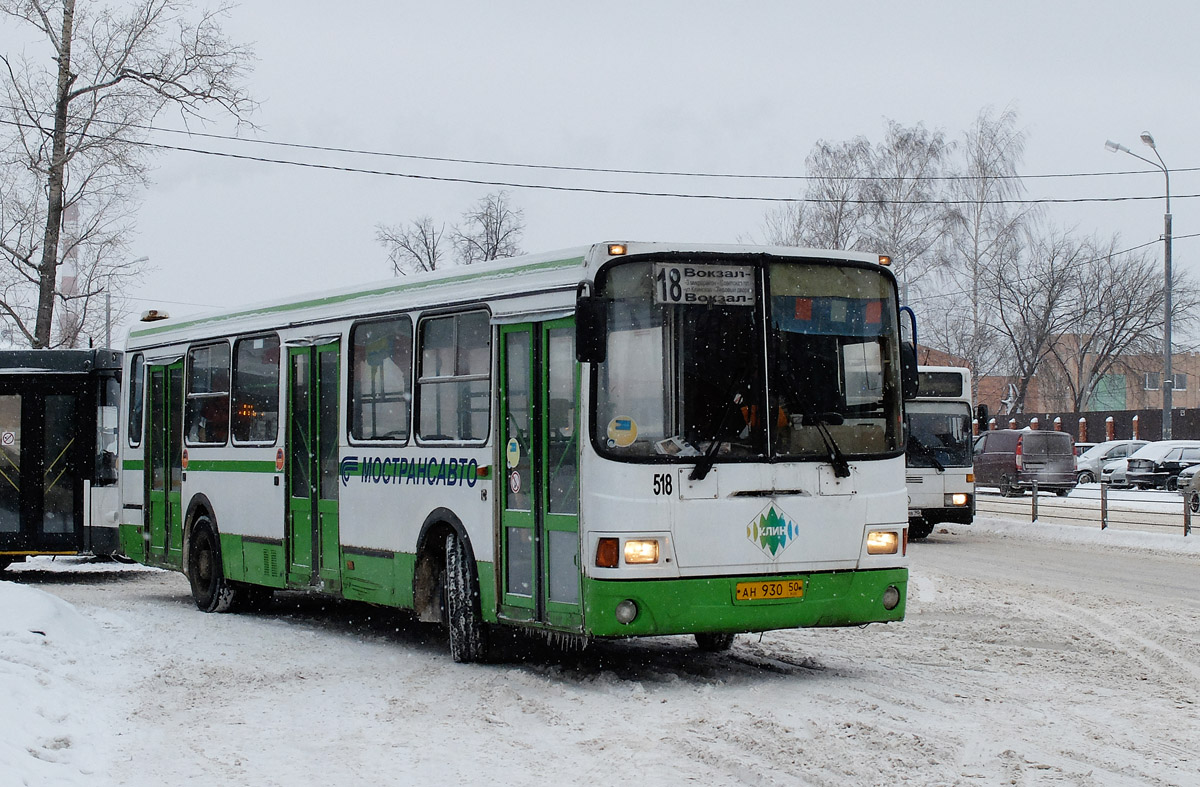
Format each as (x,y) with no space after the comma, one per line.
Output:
(540,572)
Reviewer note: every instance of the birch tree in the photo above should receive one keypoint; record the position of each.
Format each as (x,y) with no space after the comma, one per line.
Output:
(413,248)
(75,121)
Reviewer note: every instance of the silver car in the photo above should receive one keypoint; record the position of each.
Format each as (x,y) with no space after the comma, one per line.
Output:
(1092,461)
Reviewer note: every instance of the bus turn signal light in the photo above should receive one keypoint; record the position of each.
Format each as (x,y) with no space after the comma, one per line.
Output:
(882,542)
(607,552)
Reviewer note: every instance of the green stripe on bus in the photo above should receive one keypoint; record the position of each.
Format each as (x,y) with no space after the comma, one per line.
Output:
(314,302)
(134,464)
(230,466)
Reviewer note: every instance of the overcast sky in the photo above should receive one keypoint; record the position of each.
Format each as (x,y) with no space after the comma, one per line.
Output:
(688,86)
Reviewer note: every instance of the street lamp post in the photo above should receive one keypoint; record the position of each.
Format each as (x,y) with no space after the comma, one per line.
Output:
(1168,383)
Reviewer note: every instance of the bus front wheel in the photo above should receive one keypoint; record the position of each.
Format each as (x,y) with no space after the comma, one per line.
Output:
(211,591)
(468,637)
(714,642)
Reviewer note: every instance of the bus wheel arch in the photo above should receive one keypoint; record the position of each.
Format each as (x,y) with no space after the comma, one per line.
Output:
(428,574)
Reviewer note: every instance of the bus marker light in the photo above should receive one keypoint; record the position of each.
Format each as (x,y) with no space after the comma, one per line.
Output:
(891,597)
(882,542)
(641,551)
(885,259)
(616,249)
(970,478)
(626,612)
(606,552)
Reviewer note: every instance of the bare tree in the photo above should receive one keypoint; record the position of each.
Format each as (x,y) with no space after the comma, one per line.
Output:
(75,133)
(1034,292)
(413,248)
(904,217)
(1113,320)
(982,231)
(490,230)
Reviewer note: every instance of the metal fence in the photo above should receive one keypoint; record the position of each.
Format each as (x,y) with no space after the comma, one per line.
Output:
(1103,507)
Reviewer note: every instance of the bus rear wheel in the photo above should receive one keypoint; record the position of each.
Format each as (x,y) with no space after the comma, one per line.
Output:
(919,528)
(464,621)
(714,642)
(211,591)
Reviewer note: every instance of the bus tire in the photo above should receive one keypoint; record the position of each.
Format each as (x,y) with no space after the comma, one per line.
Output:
(5,562)
(464,621)
(711,642)
(919,528)
(211,591)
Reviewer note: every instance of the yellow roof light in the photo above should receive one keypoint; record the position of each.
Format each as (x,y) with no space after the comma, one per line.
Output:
(616,249)
(885,259)
(153,315)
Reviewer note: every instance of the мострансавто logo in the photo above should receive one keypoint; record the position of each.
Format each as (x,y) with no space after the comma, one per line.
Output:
(772,531)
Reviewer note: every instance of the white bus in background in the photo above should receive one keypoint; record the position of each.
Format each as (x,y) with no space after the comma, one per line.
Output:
(939,474)
(615,441)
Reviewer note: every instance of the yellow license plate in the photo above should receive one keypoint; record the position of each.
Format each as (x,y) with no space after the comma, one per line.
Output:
(766,591)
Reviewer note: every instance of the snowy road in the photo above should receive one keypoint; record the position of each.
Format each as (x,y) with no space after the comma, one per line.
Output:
(1031,655)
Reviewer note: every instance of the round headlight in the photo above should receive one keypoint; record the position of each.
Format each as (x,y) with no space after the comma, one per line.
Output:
(627,610)
(891,597)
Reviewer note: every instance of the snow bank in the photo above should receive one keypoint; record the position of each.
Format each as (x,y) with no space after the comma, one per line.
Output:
(48,725)
(1173,542)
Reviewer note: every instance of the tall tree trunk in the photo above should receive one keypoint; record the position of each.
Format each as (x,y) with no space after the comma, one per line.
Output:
(48,270)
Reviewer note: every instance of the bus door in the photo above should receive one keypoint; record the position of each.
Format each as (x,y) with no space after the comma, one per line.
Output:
(314,554)
(164,502)
(42,450)
(540,572)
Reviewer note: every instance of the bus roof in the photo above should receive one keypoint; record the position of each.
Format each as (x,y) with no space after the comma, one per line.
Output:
(532,284)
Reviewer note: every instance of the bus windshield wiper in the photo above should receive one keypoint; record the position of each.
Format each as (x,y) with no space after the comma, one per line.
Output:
(928,453)
(841,468)
(706,462)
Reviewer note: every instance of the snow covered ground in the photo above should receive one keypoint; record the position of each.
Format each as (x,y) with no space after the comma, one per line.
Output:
(1031,654)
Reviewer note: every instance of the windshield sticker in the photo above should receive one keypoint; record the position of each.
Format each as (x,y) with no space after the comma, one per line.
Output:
(622,431)
(512,453)
(724,285)
(772,531)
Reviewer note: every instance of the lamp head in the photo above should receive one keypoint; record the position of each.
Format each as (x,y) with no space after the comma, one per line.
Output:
(1112,147)
(1149,140)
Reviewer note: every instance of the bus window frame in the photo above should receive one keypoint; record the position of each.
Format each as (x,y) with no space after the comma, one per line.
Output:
(137,394)
(420,380)
(189,396)
(233,376)
(351,399)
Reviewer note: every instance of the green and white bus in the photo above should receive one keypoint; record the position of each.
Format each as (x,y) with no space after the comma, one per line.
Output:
(622,440)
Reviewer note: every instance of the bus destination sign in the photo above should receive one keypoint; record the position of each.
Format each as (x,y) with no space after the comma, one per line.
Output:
(720,285)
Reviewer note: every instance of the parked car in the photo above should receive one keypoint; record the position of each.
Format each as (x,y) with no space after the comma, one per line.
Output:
(1189,485)
(1113,473)
(1080,448)
(1092,461)
(1158,464)
(1013,459)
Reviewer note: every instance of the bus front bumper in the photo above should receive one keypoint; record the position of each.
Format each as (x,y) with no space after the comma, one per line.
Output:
(710,604)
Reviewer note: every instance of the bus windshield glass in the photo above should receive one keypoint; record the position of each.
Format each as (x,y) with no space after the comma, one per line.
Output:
(939,434)
(748,361)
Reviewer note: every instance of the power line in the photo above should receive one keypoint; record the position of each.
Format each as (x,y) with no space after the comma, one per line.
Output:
(595,170)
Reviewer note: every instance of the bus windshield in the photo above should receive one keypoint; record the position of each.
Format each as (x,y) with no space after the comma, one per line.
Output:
(722,358)
(939,434)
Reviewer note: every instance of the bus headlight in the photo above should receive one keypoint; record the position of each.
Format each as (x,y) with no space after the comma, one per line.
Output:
(956,499)
(641,550)
(882,542)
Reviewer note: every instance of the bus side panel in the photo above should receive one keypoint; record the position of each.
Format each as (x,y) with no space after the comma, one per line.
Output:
(385,498)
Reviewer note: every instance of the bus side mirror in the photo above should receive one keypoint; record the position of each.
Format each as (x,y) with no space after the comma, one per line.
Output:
(909,382)
(591,324)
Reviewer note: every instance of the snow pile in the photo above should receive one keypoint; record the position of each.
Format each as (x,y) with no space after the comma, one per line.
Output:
(1172,542)
(48,725)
